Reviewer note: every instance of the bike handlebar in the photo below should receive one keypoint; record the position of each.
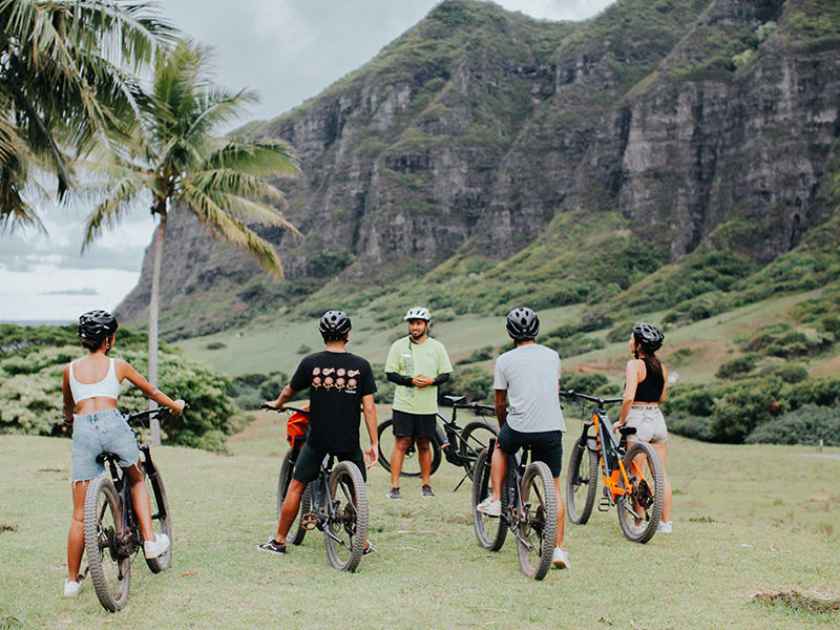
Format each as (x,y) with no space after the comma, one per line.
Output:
(476,407)
(600,401)
(286,408)
(144,416)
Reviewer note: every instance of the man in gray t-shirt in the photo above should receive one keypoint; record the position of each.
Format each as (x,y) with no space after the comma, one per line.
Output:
(527,383)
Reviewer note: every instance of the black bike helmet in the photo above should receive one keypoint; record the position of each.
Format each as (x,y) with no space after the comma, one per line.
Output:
(334,324)
(95,327)
(522,323)
(648,336)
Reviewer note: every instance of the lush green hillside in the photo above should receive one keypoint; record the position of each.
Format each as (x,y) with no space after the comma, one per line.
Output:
(746,520)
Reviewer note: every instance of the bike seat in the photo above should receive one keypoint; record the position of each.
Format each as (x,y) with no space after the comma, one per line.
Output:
(625,431)
(104,457)
(455,399)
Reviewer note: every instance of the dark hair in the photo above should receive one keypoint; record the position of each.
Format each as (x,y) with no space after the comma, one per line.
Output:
(95,327)
(328,337)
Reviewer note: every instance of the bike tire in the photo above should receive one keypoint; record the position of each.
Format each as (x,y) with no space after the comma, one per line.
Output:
(384,458)
(283,481)
(489,531)
(473,442)
(348,475)
(580,511)
(102,501)
(543,521)
(636,533)
(161,514)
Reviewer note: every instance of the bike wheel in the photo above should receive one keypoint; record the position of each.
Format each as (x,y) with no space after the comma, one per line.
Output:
(490,531)
(639,512)
(110,570)
(475,438)
(411,462)
(581,483)
(161,520)
(535,543)
(297,531)
(346,530)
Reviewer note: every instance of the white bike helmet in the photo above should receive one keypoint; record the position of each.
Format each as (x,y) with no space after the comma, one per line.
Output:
(418,312)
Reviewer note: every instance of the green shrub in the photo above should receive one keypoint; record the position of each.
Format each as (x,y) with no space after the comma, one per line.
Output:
(780,340)
(473,382)
(30,387)
(680,357)
(690,400)
(807,425)
(694,427)
(574,345)
(788,372)
(304,349)
(581,382)
(484,354)
(215,345)
(737,367)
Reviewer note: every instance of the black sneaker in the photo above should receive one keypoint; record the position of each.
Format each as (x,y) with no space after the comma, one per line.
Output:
(393,493)
(426,491)
(272,546)
(369,549)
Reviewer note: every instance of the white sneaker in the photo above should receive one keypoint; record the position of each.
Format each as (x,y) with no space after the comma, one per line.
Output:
(71,589)
(490,507)
(560,558)
(157,547)
(664,528)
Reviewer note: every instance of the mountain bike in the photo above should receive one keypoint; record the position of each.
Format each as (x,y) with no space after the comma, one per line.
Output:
(112,533)
(529,510)
(633,479)
(464,443)
(335,503)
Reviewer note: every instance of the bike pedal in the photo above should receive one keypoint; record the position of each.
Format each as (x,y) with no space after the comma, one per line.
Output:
(604,504)
(309,521)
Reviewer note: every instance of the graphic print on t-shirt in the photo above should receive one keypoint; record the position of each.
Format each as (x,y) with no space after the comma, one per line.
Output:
(337,382)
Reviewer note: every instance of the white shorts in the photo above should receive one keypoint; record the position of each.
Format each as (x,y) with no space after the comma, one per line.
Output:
(648,422)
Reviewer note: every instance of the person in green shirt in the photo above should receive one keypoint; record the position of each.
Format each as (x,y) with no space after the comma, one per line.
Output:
(417,364)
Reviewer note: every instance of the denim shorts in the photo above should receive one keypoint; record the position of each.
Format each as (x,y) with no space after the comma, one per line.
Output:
(97,433)
(649,424)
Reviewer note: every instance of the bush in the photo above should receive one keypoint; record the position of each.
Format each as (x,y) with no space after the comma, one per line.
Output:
(582,383)
(737,367)
(30,387)
(473,382)
(780,340)
(304,349)
(694,427)
(789,373)
(806,425)
(215,345)
(484,354)
(574,345)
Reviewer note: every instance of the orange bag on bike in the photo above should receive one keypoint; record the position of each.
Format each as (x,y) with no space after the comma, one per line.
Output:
(296,427)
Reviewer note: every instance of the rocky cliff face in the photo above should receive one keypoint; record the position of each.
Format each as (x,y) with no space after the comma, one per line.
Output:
(476,127)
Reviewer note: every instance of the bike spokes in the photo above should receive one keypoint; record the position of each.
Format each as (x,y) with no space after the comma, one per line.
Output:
(346,525)
(640,507)
(538,521)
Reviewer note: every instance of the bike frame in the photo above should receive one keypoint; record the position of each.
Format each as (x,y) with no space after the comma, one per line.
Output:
(453,435)
(610,455)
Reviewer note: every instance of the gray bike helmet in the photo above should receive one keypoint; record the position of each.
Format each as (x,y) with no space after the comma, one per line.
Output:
(95,327)
(522,323)
(648,336)
(418,312)
(334,324)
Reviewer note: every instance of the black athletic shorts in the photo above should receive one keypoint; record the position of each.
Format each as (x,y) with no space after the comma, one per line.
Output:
(546,446)
(414,425)
(308,464)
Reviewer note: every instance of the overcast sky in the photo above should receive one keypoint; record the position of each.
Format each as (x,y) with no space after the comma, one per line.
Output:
(288,50)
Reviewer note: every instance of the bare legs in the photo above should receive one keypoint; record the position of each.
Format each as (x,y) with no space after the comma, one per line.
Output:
(141,501)
(661,449)
(289,510)
(424,456)
(561,515)
(76,535)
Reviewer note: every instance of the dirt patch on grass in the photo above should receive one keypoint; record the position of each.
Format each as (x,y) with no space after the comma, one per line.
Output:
(7,527)
(796,600)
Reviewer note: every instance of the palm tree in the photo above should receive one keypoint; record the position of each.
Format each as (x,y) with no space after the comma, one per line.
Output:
(176,159)
(67,79)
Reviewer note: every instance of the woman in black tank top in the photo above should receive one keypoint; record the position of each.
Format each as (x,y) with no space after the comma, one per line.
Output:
(646,385)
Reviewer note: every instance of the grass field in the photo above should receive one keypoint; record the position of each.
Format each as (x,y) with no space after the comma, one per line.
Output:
(746,519)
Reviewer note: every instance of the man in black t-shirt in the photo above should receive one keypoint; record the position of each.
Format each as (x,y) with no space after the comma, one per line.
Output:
(339,384)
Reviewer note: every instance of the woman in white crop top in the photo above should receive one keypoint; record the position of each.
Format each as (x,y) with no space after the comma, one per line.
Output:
(91,387)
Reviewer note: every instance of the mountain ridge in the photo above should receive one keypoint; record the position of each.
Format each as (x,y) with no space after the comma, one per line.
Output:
(469,135)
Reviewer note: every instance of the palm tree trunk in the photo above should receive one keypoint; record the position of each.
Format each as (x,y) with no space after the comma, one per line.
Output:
(154,314)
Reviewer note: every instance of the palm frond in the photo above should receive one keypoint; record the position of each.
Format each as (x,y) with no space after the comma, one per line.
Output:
(234,182)
(229,228)
(249,212)
(267,158)
(109,213)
